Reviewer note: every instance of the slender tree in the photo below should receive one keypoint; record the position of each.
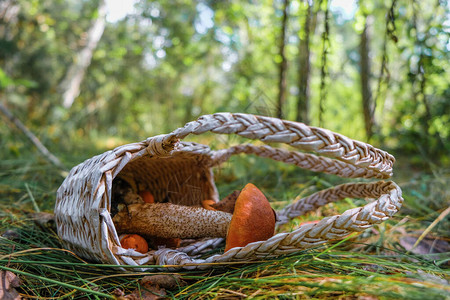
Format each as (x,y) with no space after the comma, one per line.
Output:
(9,17)
(368,103)
(9,11)
(282,67)
(420,76)
(324,61)
(70,86)
(304,66)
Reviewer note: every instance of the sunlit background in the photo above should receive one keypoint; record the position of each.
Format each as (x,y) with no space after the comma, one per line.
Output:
(121,71)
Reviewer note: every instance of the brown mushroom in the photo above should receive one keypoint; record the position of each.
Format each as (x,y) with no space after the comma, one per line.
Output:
(167,220)
(207,204)
(134,241)
(253,220)
(147,196)
(227,204)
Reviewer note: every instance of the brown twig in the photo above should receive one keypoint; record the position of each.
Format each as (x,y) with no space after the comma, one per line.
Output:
(44,151)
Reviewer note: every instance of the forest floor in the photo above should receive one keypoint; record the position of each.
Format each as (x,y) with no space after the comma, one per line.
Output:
(406,257)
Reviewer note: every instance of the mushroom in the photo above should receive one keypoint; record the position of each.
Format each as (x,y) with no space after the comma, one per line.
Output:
(147,196)
(134,241)
(207,204)
(226,204)
(167,220)
(253,220)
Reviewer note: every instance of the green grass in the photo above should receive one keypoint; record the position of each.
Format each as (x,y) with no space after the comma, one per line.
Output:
(372,265)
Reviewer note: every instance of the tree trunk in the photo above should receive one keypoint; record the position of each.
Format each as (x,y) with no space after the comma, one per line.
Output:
(188,109)
(324,62)
(366,93)
(304,68)
(9,11)
(283,63)
(70,86)
(9,29)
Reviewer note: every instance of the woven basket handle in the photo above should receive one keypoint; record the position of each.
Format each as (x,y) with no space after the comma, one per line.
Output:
(333,146)
(298,135)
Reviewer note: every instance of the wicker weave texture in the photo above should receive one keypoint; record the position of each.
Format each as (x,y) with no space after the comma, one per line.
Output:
(182,172)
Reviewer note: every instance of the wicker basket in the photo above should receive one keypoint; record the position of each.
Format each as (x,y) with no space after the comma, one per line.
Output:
(182,173)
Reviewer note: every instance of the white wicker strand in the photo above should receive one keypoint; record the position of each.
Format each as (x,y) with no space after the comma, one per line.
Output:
(201,246)
(302,160)
(316,200)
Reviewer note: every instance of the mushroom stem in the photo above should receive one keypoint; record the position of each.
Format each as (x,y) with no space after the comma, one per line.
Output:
(168,220)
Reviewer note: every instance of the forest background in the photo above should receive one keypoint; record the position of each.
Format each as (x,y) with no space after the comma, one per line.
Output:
(370,69)
(86,76)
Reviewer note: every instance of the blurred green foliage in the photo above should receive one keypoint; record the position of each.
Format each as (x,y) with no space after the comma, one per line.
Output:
(168,62)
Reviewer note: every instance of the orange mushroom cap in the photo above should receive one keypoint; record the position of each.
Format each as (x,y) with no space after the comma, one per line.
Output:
(147,196)
(253,219)
(134,241)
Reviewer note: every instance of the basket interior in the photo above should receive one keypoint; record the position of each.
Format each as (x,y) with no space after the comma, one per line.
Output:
(182,178)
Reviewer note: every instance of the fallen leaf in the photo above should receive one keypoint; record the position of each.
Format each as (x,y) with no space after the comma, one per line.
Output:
(367,297)
(431,277)
(44,219)
(164,281)
(118,293)
(152,287)
(8,282)
(151,292)
(11,235)
(428,245)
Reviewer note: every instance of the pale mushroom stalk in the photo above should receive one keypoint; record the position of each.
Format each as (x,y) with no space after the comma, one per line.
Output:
(168,220)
